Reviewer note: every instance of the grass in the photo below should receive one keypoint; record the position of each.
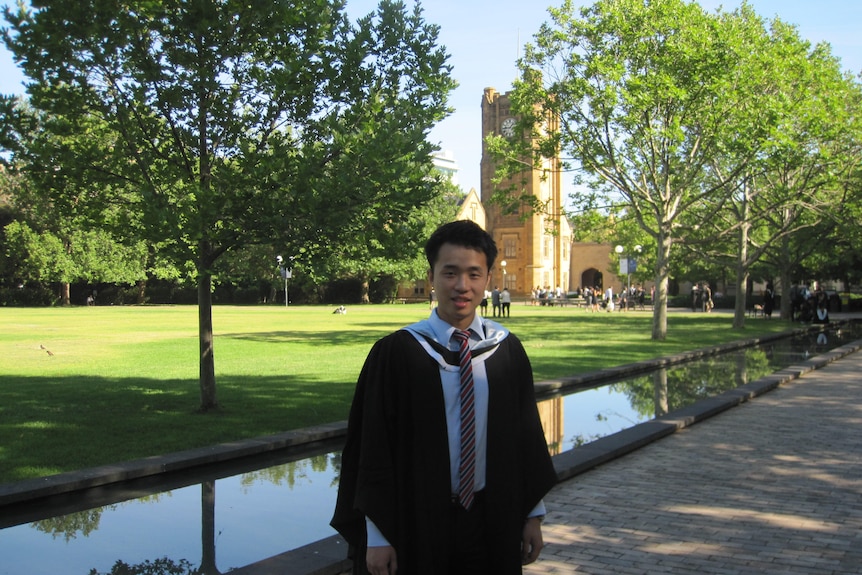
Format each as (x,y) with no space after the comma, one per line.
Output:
(87,386)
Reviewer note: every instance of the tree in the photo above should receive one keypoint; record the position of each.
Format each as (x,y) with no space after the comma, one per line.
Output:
(791,183)
(394,249)
(65,230)
(645,93)
(88,256)
(821,169)
(241,123)
(837,250)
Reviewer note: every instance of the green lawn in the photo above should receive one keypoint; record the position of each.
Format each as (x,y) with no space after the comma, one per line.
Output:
(86,386)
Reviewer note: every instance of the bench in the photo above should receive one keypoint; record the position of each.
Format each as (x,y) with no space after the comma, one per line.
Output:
(552,301)
(756,310)
(406,300)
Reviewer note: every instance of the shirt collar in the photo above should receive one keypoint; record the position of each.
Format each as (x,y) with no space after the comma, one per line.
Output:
(443,331)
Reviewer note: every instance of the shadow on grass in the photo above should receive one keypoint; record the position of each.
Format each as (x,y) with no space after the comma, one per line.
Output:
(328,338)
(50,425)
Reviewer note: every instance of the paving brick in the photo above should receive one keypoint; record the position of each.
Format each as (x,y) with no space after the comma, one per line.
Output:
(772,486)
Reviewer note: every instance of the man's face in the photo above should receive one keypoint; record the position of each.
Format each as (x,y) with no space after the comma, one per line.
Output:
(459,277)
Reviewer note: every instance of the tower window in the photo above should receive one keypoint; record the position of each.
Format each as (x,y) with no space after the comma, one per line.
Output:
(510,247)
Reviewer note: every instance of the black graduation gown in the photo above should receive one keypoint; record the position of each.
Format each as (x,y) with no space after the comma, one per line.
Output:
(395,463)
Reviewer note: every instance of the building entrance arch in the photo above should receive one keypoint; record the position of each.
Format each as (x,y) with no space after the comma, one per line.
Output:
(592,278)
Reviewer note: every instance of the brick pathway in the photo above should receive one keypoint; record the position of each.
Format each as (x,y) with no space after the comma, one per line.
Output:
(773,486)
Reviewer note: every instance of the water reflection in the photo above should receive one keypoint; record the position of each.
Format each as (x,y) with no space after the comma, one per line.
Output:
(229,516)
(578,418)
(258,514)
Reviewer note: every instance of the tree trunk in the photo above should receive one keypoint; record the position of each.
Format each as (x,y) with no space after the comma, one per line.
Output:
(740,308)
(785,303)
(205,254)
(208,531)
(660,394)
(65,294)
(205,336)
(365,298)
(142,292)
(659,314)
(741,369)
(742,264)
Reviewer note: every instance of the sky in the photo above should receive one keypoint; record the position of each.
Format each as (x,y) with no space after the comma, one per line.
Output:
(485,37)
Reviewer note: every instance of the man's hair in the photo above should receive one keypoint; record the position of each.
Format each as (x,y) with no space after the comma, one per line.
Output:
(462,233)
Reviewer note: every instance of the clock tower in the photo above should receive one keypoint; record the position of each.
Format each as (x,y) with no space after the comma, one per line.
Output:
(535,248)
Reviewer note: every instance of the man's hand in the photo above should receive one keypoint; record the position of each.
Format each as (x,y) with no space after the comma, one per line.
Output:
(382,560)
(531,542)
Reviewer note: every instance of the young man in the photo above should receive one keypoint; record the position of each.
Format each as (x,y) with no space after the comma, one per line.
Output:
(405,503)
(506,302)
(495,302)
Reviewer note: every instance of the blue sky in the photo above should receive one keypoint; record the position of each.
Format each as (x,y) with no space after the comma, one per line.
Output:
(484,39)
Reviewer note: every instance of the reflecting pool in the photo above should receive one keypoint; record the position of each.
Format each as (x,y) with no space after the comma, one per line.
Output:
(224,517)
(215,523)
(592,413)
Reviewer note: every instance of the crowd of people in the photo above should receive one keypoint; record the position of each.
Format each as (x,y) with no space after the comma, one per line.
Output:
(546,295)
(701,297)
(501,302)
(808,306)
(633,297)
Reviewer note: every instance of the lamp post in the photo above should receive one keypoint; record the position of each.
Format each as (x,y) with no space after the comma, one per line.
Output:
(286,272)
(503,265)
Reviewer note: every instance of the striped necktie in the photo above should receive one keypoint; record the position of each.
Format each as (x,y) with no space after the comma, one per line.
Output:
(467,468)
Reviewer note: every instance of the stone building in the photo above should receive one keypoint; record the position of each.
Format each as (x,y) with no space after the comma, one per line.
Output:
(534,251)
(535,248)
